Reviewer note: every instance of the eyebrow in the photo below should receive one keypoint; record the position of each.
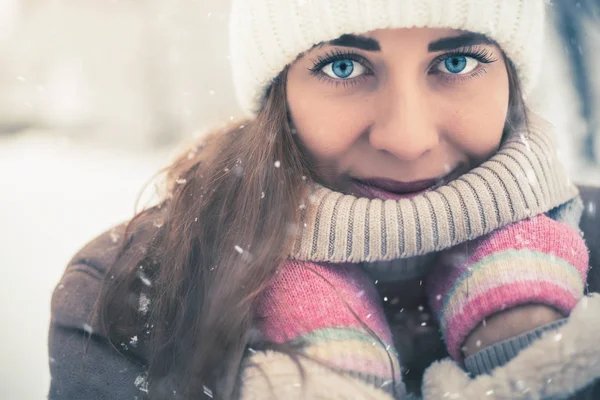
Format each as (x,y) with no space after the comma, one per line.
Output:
(358,41)
(456,42)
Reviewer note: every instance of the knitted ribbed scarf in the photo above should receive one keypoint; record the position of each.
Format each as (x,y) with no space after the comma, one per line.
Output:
(523,178)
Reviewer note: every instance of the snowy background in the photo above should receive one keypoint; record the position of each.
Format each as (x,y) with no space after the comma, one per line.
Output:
(95,97)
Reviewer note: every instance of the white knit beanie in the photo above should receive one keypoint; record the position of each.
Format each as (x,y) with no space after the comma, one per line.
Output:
(268,35)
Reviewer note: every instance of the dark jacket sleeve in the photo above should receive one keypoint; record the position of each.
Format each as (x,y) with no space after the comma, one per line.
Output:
(83,363)
(590,225)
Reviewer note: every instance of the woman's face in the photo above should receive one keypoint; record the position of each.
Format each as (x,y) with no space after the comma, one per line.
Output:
(396,112)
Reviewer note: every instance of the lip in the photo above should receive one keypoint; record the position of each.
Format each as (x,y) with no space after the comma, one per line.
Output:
(389,189)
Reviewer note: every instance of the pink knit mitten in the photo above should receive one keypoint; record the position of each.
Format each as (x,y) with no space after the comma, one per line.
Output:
(538,261)
(334,312)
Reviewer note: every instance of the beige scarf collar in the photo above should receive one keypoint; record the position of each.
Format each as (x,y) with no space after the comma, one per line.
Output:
(522,179)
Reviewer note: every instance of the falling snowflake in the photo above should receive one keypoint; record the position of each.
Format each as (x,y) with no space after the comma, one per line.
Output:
(239,249)
(207,391)
(141,382)
(522,386)
(114,236)
(238,170)
(558,337)
(591,208)
(144,278)
(88,329)
(143,303)
(277,164)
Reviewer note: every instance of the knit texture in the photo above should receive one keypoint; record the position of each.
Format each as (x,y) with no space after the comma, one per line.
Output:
(556,366)
(268,35)
(537,260)
(524,178)
(334,315)
(272,375)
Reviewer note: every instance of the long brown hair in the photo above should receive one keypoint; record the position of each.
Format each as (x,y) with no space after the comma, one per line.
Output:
(224,228)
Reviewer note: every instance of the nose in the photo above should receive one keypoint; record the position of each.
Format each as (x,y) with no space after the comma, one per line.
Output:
(404,124)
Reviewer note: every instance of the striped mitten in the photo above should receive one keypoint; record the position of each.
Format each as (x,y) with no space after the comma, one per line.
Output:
(535,261)
(334,315)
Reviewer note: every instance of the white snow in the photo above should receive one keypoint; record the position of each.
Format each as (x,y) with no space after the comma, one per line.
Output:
(55,197)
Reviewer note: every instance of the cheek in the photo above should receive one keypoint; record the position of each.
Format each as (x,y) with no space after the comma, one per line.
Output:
(477,126)
(329,128)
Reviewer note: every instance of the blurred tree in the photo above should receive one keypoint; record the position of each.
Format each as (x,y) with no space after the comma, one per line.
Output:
(578,22)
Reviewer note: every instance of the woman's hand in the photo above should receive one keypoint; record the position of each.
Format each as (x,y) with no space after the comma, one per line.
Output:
(538,261)
(332,315)
(509,323)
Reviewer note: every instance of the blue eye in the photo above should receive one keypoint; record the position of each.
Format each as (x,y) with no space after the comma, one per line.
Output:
(343,69)
(457,65)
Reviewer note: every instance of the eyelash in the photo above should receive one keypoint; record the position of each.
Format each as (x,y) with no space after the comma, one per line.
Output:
(336,55)
(482,55)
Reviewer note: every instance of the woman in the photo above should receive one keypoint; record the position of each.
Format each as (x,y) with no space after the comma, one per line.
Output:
(389,162)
